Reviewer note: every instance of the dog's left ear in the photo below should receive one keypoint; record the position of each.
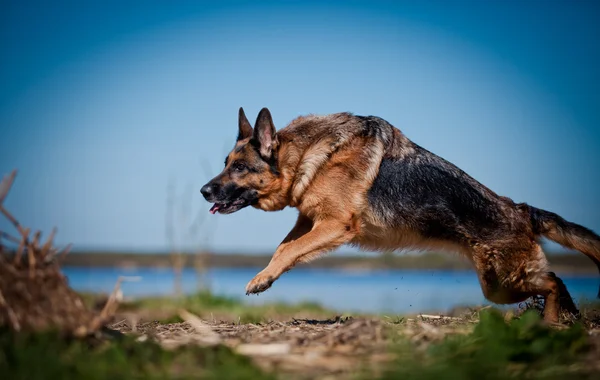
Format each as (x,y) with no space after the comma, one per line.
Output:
(264,133)
(244,127)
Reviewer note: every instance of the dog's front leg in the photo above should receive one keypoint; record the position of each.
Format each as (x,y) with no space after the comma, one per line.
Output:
(304,242)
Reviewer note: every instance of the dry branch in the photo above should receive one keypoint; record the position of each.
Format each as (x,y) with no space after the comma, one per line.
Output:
(12,219)
(266,349)
(22,245)
(6,184)
(111,305)
(64,253)
(48,244)
(9,237)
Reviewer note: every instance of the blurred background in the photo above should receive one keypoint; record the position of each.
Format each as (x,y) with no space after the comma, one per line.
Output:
(116,113)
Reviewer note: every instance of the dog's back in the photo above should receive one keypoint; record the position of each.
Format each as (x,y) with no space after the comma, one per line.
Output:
(422,192)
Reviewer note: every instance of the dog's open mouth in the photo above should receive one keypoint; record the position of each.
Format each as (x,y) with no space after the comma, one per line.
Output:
(227,208)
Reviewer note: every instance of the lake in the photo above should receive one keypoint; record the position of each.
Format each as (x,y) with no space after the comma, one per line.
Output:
(378,291)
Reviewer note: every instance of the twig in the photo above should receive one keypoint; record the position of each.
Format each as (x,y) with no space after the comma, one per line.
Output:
(6,184)
(64,253)
(9,237)
(12,219)
(31,261)
(48,244)
(36,240)
(107,310)
(31,253)
(268,349)
(19,253)
(436,316)
(111,304)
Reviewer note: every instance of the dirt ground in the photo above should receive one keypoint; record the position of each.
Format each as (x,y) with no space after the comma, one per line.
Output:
(307,348)
(304,349)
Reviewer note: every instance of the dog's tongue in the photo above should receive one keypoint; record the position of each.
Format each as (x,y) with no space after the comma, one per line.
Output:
(214,208)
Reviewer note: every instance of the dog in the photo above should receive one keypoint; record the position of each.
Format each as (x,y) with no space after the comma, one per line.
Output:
(358,180)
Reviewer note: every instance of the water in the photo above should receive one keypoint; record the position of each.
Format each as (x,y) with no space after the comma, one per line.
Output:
(380,291)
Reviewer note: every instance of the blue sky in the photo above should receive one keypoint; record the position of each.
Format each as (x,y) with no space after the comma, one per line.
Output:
(103,104)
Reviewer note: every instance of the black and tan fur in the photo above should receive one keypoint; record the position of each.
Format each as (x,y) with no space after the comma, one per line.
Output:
(358,180)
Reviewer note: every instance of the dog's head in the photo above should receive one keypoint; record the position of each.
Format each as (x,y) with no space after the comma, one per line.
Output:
(250,168)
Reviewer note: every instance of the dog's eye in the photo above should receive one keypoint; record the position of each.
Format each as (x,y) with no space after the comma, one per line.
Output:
(238,167)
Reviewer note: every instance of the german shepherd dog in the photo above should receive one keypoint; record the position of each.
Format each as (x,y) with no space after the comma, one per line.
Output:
(358,180)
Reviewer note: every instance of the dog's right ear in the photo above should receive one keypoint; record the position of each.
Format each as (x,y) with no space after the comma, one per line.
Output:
(245,129)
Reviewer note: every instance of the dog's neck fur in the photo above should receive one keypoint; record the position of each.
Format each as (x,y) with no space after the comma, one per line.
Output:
(280,190)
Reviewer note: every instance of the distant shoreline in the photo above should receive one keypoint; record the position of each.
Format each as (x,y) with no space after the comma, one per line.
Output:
(561,263)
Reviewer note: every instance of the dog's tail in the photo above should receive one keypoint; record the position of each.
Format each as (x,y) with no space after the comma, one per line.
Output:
(565,233)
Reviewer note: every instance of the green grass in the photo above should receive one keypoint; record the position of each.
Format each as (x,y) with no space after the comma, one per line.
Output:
(49,356)
(521,349)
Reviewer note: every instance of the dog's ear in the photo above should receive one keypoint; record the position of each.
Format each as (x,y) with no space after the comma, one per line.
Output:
(264,133)
(245,129)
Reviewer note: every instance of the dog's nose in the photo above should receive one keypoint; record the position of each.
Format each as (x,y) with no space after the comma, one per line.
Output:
(208,190)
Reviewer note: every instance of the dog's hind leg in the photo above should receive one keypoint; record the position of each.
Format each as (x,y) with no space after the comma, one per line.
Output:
(305,242)
(511,275)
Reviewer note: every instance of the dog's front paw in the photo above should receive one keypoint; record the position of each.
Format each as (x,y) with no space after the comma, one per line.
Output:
(260,283)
